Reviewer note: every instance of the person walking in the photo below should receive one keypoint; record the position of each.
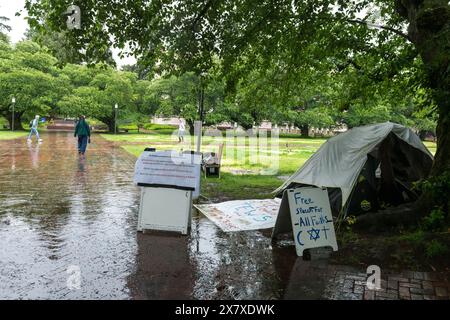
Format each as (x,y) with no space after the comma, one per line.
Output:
(83,132)
(181,129)
(34,129)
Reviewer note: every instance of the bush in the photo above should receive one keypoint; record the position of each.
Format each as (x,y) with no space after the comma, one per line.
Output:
(435,249)
(3,123)
(415,238)
(129,127)
(156,127)
(160,128)
(438,187)
(435,221)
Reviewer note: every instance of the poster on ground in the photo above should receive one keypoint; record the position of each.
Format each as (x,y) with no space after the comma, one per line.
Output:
(240,215)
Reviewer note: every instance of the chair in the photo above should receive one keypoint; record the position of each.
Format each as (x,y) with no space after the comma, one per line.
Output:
(211,162)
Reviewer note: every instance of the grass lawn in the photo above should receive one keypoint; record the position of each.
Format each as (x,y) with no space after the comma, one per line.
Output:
(245,171)
(6,135)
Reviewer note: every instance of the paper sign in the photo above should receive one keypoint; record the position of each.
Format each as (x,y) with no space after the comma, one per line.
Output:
(312,222)
(168,168)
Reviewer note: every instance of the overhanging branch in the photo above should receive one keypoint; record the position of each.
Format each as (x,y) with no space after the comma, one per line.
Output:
(397,32)
(201,13)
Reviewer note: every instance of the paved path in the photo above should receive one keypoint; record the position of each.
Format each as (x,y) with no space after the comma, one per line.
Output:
(347,283)
(59,213)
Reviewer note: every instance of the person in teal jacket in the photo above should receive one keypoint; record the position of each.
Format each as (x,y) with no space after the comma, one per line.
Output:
(83,132)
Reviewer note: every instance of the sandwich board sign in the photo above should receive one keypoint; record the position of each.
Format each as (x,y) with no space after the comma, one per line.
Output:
(196,159)
(306,212)
(168,180)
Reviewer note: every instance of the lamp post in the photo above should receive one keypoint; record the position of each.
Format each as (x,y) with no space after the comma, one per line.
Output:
(115,117)
(13,100)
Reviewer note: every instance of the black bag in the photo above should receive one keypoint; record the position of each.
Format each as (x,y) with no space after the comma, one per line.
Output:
(31,124)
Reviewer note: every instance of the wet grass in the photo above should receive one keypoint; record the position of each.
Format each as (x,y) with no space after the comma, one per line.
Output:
(248,170)
(233,187)
(239,153)
(8,135)
(244,172)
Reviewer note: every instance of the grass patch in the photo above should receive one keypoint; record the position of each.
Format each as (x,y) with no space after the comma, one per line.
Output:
(243,162)
(8,135)
(233,187)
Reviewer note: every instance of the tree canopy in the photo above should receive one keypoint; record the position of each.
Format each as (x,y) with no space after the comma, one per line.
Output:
(28,74)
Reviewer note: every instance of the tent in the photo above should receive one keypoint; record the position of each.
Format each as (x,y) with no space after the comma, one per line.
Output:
(366,168)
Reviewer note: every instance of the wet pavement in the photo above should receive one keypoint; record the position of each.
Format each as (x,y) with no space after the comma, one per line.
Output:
(58,213)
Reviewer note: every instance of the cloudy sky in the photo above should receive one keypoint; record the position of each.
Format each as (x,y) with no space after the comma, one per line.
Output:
(19,25)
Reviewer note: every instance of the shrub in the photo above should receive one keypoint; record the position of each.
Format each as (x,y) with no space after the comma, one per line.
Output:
(129,127)
(438,187)
(435,249)
(156,127)
(435,221)
(415,238)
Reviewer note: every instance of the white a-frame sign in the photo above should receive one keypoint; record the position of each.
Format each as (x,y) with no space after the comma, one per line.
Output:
(310,218)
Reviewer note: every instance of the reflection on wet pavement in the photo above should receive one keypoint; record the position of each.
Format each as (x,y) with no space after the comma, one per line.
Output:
(58,211)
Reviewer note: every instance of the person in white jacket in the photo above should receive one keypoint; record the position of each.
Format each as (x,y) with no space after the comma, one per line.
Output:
(181,129)
(34,129)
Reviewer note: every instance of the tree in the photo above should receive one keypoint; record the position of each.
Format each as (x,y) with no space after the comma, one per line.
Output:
(248,34)
(28,73)
(3,24)
(143,72)
(56,43)
(178,96)
(97,99)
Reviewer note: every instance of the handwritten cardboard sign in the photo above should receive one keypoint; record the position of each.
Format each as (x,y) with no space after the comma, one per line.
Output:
(310,218)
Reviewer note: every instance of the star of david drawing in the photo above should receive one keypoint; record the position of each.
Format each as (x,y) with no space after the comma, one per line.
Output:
(314,234)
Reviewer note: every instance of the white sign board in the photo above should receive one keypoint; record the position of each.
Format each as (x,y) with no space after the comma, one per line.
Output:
(196,158)
(311,219)
(168,169)
(165,209)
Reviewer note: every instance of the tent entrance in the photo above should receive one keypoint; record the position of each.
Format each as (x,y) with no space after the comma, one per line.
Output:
(387,177)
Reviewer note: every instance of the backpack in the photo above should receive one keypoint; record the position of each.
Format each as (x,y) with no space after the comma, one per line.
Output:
(31,124)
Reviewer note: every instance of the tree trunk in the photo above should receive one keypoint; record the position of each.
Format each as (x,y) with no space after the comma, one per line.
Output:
(201,107)
(110,123)
(17,120)
(201,100)
(111,127)
(442,156)
(304,130)
(190,123)
(429,22)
